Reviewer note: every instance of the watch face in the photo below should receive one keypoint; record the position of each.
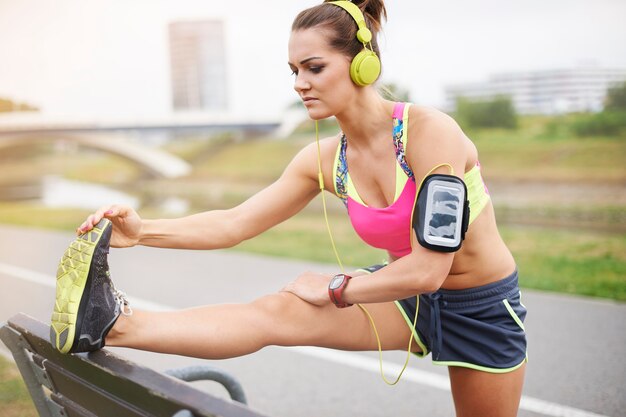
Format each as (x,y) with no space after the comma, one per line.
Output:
(336,282)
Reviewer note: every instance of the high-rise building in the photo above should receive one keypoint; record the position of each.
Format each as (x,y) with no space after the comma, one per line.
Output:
(198,65)
(579,89)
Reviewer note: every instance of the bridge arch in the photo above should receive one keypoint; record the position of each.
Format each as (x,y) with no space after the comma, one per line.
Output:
(155,161)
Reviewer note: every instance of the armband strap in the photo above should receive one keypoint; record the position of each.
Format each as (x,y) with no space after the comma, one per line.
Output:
(441,213)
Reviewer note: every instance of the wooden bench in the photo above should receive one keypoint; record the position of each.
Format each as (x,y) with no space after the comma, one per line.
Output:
(104,384)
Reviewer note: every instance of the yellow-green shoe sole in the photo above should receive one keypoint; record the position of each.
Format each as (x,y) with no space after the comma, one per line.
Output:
(72,277)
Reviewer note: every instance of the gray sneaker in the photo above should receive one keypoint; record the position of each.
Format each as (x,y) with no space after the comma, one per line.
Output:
(87,303)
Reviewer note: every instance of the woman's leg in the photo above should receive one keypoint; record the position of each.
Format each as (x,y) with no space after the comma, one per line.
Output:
(229,330)
(478,393)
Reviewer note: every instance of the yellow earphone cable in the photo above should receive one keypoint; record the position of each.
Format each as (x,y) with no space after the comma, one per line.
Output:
(320,176)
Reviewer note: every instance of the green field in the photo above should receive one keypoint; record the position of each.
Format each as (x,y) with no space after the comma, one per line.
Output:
(575,243)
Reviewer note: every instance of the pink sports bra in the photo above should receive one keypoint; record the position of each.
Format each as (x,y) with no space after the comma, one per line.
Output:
(389,228)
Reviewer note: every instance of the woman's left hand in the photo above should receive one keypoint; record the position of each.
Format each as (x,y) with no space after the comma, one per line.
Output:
(312,287)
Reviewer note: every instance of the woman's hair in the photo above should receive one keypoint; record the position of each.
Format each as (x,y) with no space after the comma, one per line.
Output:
(341,26)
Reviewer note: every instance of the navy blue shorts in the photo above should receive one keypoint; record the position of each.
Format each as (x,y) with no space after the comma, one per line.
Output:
(480,328)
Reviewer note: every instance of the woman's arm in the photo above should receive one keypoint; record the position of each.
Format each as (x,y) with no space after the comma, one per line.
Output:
(226,228)
(220,228)
(434,139)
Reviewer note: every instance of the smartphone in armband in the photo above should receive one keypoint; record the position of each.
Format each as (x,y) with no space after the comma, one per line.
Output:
(441,215)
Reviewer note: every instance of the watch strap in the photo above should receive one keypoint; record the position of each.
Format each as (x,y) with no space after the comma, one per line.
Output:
(336,294)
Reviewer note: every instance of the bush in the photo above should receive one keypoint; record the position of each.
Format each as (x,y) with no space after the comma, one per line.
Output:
(606,123)
(496,112)
(616,98)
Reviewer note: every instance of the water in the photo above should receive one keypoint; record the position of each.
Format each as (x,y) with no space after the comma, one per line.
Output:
(60,192)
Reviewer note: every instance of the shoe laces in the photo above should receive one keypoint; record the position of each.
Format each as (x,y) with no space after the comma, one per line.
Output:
(122,301)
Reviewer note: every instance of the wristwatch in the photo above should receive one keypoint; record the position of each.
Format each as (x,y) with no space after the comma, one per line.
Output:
(335,290)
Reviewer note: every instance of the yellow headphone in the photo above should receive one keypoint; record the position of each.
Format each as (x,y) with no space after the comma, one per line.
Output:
(365,67)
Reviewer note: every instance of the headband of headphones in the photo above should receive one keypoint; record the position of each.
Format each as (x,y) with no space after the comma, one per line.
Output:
(363,34)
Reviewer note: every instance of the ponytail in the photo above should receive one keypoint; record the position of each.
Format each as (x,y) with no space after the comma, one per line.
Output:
(374,12)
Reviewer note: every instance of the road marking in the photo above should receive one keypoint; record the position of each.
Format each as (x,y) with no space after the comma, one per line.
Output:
(433,380)
(353,360)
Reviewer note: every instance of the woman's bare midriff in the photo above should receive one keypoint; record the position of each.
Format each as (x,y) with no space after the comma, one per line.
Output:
(483,258)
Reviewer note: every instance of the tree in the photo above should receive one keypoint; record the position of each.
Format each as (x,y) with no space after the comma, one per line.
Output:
(609,122)
(496,112)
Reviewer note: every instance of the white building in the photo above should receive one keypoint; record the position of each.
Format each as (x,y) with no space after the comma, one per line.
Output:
(198,65)
(579,89)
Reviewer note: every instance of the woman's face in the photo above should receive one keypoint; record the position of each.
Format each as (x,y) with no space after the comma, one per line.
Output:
(322,75)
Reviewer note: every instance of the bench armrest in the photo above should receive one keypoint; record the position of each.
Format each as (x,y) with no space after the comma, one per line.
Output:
(209,373)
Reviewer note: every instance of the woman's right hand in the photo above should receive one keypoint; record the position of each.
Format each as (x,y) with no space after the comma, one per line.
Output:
(126,224)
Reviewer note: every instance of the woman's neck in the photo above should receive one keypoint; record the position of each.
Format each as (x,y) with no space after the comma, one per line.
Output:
(366,118)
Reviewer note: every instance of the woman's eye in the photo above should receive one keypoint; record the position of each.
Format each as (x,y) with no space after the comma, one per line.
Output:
(314,70)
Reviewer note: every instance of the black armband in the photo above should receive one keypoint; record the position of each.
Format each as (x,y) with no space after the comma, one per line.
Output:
(441,213)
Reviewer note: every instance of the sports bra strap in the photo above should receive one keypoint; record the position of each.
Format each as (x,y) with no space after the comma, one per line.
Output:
(400,137)
(398,111)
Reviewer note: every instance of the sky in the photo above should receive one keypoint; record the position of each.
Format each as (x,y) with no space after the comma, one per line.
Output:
(108,59)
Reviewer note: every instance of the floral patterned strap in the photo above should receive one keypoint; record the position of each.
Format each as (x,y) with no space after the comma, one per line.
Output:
(342,171)
(398,130)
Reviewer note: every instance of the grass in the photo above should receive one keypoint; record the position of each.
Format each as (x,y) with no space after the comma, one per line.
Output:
(573,261)
(305,237)
(257,161)
(571,251)
(570,261)
(605,218)
(72,163)
(505,156)
(542,148)
(34,215)
(510,156)
(14,398)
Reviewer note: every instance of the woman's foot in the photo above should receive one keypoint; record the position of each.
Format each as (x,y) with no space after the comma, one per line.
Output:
(87,303)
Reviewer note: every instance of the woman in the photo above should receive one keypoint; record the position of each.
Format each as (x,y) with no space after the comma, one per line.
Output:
(470,315)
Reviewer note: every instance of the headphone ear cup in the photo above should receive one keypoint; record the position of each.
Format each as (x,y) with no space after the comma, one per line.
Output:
(365,68)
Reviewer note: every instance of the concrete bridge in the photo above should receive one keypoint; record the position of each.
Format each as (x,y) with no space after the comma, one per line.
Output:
(35,129)
(153,160)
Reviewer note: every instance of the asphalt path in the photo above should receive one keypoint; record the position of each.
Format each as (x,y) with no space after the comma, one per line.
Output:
(577,361)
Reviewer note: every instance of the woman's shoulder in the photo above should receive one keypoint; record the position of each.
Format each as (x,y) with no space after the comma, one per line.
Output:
(326,145)
(428,124)
(425,117)
(433,130)
(327,150)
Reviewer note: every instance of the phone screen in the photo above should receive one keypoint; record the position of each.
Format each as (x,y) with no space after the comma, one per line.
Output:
(444,212)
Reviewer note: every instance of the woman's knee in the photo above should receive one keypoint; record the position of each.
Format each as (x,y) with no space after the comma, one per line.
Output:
(281,316)
(279,305)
